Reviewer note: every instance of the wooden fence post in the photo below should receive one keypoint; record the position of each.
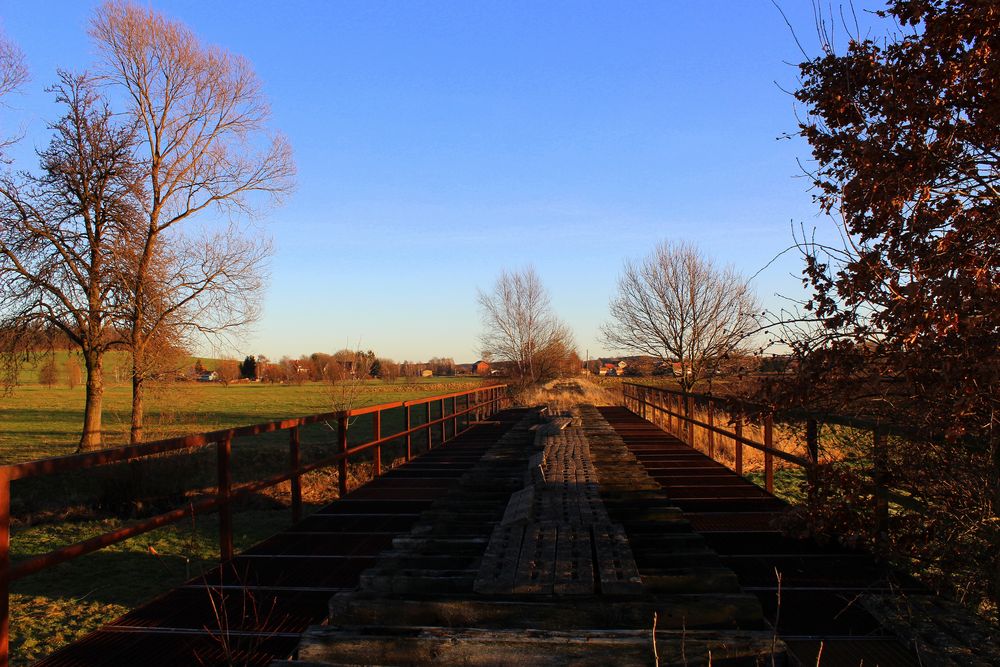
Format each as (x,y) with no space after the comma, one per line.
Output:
(224,450)
(879,478)
(342,447)
(294,463)
(768,456)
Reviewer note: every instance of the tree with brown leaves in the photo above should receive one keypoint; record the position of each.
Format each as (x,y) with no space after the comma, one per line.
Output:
(905,134)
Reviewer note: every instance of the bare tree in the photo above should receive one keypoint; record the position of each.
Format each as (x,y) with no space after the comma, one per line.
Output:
(73,373)
(520,327)
(13,73)
(203,122)
(227,370)
(442,366)
(47,373)
(388,369)
(676,305)
(62,235)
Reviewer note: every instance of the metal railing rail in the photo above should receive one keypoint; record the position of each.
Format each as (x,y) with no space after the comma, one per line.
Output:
(655,403)
(474,404)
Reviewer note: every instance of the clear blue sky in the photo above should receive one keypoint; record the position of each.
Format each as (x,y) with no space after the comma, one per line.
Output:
(440,142)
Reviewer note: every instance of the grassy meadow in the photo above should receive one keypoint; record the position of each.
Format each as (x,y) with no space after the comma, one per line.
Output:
(38,421)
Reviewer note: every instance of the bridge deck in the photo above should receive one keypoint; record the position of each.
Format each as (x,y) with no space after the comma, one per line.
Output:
(516,545)
(254,609)
(821,585)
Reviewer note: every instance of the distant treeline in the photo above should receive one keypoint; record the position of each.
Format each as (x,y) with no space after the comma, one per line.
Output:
(323,367)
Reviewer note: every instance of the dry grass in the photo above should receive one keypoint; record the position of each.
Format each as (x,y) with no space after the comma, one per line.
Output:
(563,394)
(788,438)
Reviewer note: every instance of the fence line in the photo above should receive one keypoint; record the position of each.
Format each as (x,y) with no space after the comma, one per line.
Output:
(658,404)
(466,408)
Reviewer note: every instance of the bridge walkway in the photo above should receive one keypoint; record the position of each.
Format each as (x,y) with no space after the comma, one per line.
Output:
(522,542)
(558,548)
(254,609)
(821,603)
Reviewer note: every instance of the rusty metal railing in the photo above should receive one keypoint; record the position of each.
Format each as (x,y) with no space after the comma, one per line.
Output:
(472,405)
(675,411)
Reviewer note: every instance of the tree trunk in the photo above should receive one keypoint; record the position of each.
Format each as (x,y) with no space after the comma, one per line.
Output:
(137,388)
(91,436)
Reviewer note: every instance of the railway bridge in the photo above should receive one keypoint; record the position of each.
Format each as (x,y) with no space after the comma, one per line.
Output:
(530,536)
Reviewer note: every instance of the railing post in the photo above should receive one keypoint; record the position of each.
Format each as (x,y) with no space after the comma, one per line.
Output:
(690,424)
(664,415)
(666,400)
(4,567)
(294,463)
(671,420)
(409,439)
(681,424)
(711,433)
(342,447)
(768,456)
(454,416)
(444,422)
(377,417)
(812,453)
(878,478)
(430,429)
(739,446)
(224,449)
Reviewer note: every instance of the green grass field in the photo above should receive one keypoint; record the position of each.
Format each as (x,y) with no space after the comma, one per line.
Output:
(38,421)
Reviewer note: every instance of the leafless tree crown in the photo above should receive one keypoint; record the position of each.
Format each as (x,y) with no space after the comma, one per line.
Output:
(676,305)
(202,120)
(64,236)
(13,71)
(201,111)
(519,326)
